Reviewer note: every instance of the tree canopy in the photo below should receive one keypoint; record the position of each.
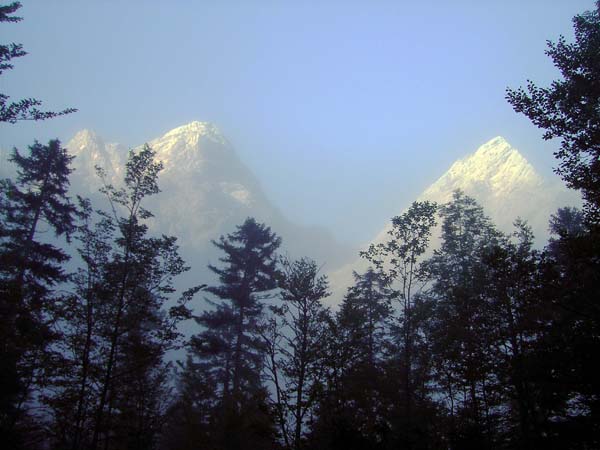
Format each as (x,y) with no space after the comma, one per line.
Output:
(569,109)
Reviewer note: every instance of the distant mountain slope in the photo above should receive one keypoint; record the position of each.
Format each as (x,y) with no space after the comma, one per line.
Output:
(506,185)
(206,192)
(503,182)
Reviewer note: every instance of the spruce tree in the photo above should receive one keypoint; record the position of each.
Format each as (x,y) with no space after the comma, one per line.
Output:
(352,411)
(568,110)
(565,364)
(230,348)
(30,268)
(512,294)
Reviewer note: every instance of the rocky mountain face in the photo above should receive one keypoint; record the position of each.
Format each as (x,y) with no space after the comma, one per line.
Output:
(206,192)
(503,182)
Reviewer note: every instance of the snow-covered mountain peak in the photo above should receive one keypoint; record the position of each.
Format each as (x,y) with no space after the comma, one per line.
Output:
(191,146)
(501,180)
(91,151)
(197,129)
(206,191)
(496,168)
(495,147)
(83,140)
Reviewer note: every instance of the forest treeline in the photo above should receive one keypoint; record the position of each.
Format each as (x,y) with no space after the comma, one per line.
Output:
(484,342)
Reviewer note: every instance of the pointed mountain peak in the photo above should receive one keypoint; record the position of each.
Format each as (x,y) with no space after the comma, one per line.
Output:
(494,151)
(498,143)
(196,130)
(91,151)
(188,147)
(84,139)
(496,168)
(86,133)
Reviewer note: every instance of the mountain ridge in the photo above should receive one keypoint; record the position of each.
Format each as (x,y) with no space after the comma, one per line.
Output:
(495,164)
(502,181)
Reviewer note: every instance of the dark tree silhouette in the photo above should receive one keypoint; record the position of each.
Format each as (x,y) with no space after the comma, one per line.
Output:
(351,411)
(568,109)
(25,109)
(116,329)
(295,347)
(513,296)
(398,260)
(29,268)
(566,367)
(231,348)
(460,331)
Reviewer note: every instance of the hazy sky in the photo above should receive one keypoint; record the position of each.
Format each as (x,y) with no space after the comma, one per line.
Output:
(344,110)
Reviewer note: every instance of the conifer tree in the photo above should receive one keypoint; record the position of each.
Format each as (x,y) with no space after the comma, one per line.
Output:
(565,366)
(74,397)
(568,110)
(30,267)
(369,302)
(190,419)
(230,348)
(352,409)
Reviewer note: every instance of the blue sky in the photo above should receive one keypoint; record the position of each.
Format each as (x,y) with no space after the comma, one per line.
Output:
(345,110)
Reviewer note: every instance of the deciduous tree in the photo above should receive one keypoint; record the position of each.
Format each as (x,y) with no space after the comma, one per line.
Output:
(464,360)
(569,110)
(296,357)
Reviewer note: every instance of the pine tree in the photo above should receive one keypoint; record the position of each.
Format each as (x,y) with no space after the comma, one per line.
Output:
(565,362)
(513,297)
(230,348)
(368,301)
(74,396)
(30,268)
(568,110)
(352,409)
(190,421)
